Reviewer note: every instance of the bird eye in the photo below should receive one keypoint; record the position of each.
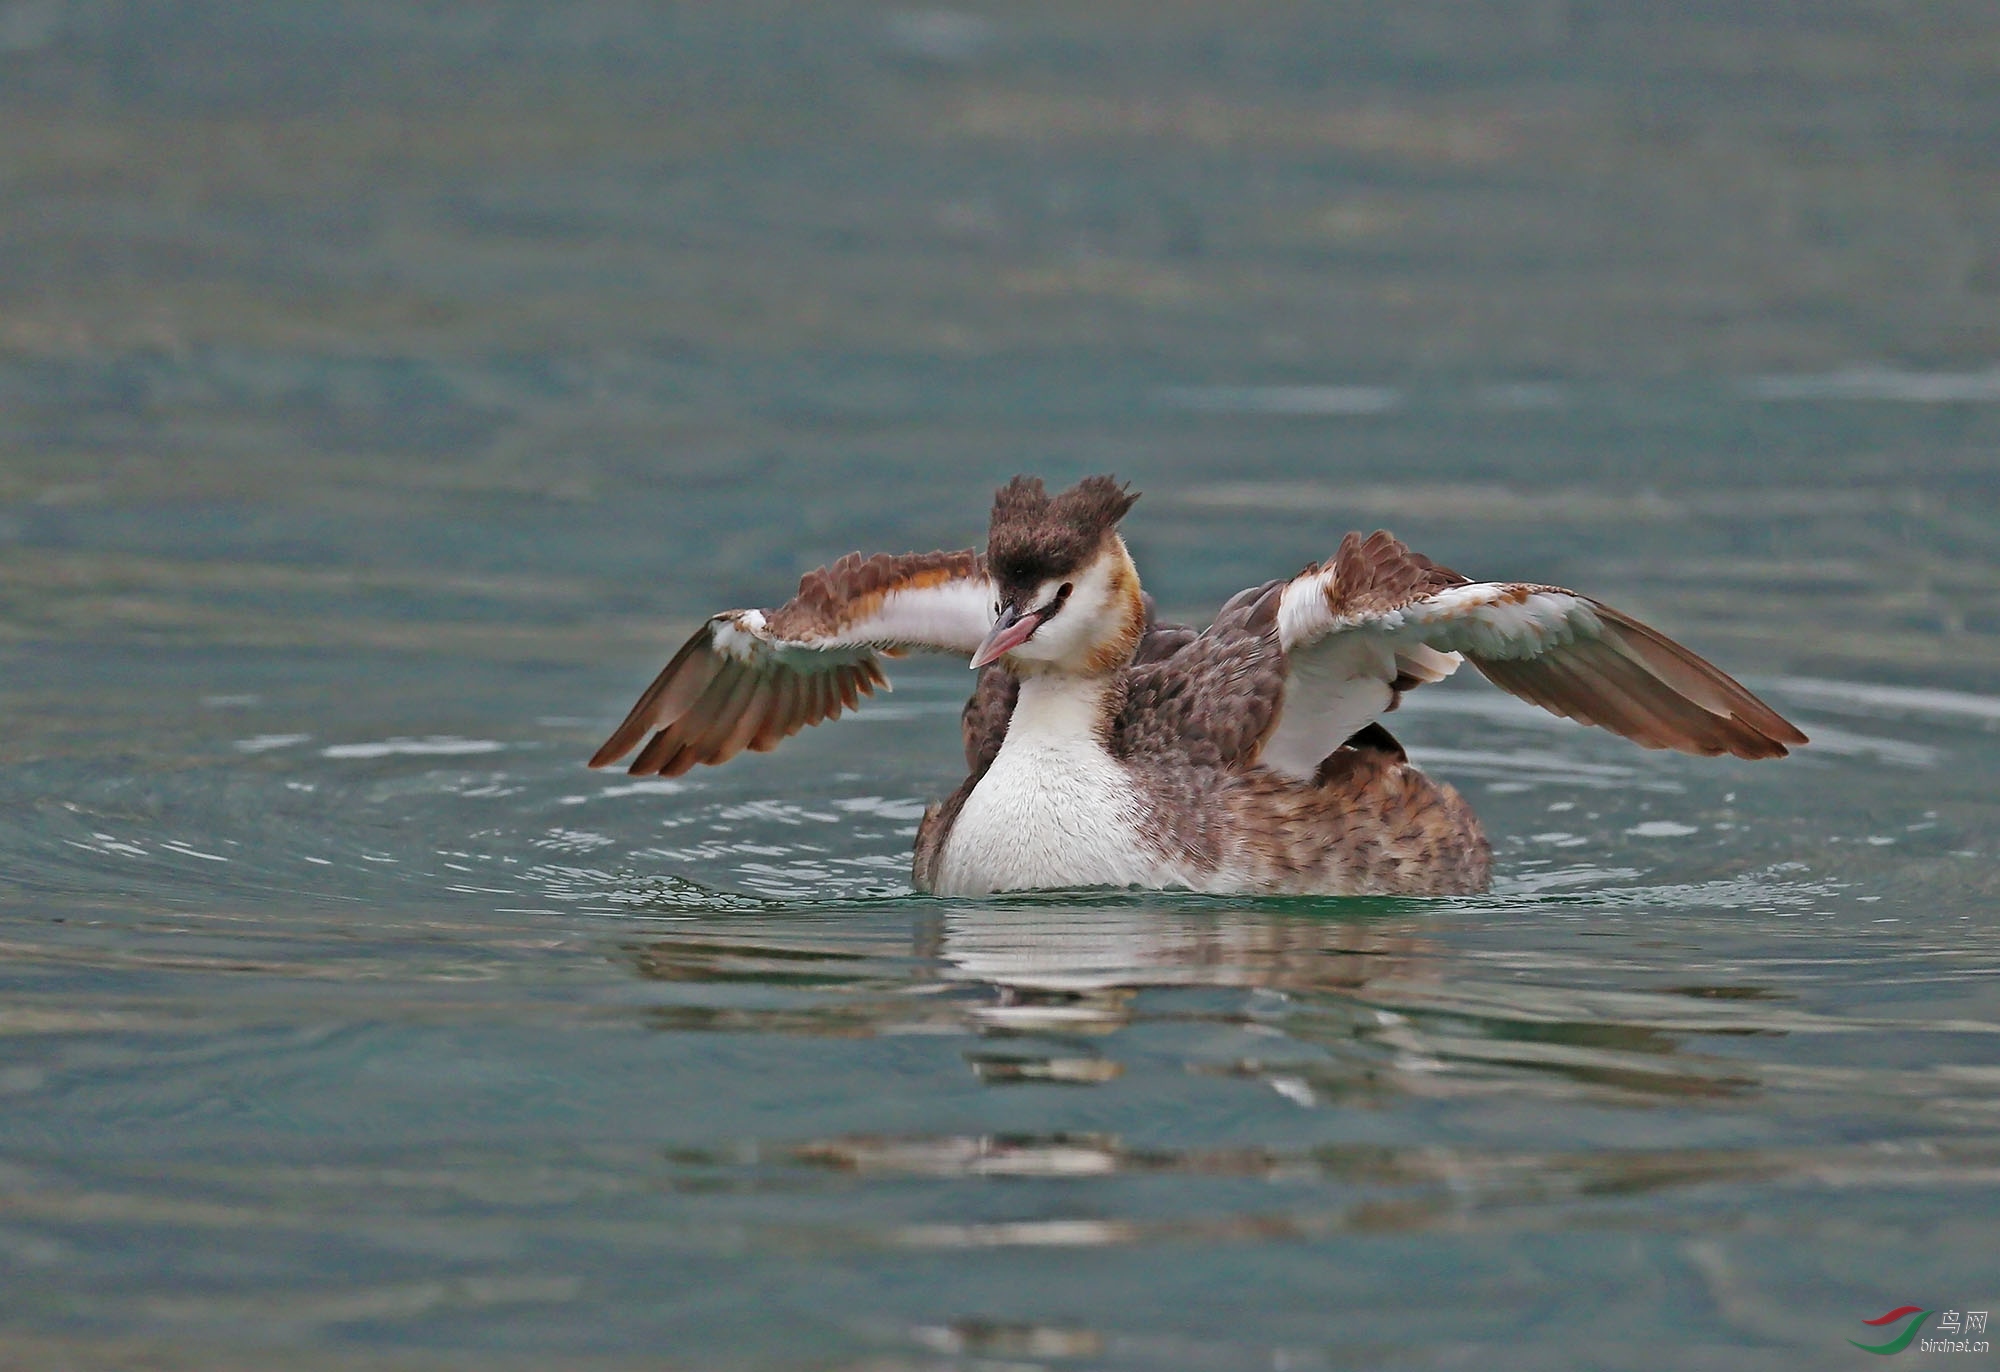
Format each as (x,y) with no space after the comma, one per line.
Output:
(1063,594)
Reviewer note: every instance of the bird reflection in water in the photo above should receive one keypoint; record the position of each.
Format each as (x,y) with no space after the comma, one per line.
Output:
(1345,1007)
(1075,975)
(1324,1006)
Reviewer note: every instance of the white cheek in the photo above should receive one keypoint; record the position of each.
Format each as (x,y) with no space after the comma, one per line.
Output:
(1076,626)
(1059,637)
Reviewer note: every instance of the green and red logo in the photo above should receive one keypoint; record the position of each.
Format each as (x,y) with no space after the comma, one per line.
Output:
(1902,1340)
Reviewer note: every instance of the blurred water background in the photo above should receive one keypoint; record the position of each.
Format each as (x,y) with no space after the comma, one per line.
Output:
(385,388)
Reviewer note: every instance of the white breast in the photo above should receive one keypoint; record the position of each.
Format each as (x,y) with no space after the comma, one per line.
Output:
(1055,809)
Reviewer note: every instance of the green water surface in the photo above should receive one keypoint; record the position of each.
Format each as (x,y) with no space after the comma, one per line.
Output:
(385,390)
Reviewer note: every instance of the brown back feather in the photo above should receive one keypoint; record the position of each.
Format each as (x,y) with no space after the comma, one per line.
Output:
(1211,701)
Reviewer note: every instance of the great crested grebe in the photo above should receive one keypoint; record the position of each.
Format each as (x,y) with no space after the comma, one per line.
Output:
(1106,749)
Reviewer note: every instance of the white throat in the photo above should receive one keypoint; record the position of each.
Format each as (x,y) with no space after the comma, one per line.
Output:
(1055,808)
(1057,710)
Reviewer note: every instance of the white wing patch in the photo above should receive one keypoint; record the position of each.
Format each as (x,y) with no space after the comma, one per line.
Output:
(950,618)
(1563,651)
(1340,668)
(752,678)
(1485,618)
(1501,622)
(740,634)
(1304,616)
(1329,695)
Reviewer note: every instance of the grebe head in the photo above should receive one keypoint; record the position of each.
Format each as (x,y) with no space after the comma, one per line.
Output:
(1066,594)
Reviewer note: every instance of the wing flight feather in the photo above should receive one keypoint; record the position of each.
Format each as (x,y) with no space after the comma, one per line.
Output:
(1376,619)
(753,678)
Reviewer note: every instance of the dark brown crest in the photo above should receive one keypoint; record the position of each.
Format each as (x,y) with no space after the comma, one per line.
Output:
(1036,537)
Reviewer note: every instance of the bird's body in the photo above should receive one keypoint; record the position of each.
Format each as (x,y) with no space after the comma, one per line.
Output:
(1055,807)
(1105,749)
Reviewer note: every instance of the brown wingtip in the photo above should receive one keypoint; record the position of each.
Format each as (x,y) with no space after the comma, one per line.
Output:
(1754,731)
(706,707)
(628,734)
(607,753)
(658,754)
(1640,684)
(680,683)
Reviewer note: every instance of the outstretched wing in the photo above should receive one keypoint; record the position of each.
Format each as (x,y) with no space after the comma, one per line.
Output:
(1377,619)
(751,678)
